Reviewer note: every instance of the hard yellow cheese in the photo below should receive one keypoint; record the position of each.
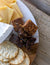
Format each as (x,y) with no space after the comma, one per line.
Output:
(9,1)
(1,3)
(12,4)
(17,12)
(5,14)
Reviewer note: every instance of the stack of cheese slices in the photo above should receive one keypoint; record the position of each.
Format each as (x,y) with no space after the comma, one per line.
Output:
(9,11)
(10,54)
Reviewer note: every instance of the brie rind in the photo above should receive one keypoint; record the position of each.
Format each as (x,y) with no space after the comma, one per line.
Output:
(5,30)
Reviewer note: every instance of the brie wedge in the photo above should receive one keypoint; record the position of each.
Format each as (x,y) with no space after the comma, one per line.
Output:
(5,30)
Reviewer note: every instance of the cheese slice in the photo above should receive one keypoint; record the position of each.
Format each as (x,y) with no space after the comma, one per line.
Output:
(12,4)
(17,12)
(5,14)
(1,3)
(5,30)
(15,7)
(10,1)
(6,2)
(15,15)
(10,14)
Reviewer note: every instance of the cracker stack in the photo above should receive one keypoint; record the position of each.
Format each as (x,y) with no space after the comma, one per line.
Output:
(10,54)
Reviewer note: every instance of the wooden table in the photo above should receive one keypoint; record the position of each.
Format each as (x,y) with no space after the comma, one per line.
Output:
(43,21)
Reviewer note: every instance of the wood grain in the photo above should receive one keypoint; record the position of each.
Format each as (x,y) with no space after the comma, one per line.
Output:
(43,5)
(43,21)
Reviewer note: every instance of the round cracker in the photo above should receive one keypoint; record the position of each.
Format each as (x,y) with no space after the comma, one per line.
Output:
(8,50)
(19,59)
(1,63)
(2,59)
(26,60)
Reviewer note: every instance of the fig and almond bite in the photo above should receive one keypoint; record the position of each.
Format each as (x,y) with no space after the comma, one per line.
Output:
(16,40)
(19,21)
(30,27)
(25,32)
(17,24)
(21,42)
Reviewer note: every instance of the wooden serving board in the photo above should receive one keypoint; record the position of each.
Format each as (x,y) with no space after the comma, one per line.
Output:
(32,54)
